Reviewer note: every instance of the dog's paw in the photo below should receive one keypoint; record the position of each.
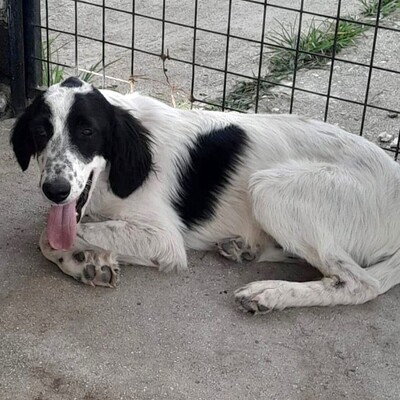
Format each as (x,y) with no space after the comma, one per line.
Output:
(236,249)
(96,269)
(261,297)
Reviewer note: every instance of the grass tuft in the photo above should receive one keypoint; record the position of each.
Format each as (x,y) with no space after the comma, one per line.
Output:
(243,94)
(317,43)
(370,7)
(319,40)
(52,73)
(87,76)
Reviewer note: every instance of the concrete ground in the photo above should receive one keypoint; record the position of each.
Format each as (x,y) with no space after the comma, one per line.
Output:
(173,337)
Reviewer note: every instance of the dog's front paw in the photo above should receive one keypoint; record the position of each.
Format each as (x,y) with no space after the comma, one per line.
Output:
(96,269)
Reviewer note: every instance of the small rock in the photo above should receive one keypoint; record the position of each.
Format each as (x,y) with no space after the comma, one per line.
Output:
(340,355)
(393,115)
(394,143)
(385,137)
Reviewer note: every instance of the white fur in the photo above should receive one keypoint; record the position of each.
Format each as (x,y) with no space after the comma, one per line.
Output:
(325,195)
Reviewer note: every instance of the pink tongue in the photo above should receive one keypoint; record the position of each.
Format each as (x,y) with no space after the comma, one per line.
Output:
(61,226)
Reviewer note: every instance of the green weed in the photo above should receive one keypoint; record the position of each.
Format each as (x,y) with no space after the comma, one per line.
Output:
(315,45)
(53,73)
(370,7)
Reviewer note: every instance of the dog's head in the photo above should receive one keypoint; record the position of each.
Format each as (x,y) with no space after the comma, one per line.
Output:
(74,133)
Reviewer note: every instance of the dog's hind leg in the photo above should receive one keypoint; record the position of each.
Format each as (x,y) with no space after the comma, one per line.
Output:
(386,272)
(344,282)
(236,249)
(272,252)
(292,205)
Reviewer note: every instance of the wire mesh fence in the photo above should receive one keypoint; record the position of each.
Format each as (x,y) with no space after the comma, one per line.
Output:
(336,61)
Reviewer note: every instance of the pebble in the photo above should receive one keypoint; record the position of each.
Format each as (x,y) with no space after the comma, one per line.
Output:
(394,142)
(385,137)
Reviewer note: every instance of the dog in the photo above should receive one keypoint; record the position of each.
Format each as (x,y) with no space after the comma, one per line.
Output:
(131,180)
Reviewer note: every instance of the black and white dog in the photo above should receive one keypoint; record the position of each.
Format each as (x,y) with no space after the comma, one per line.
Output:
(155,181)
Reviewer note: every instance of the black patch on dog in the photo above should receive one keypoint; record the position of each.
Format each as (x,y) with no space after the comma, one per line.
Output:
(130,154)
(98,128)
(72,82)
(89,124)
(31,131)
(213,159)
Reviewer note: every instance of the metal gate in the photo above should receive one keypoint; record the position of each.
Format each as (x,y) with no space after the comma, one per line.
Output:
(228,48)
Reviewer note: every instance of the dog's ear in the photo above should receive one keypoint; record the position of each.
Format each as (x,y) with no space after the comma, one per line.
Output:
(130,154)
(22,141)
(21,138)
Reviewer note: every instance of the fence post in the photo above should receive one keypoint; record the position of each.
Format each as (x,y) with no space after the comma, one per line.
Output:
(33,45)
(16,56)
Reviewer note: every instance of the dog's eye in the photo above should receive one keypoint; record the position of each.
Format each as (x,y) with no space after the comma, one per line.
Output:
(40,131)
(87,132)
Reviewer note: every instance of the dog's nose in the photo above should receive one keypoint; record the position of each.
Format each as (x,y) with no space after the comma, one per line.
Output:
(57,190)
